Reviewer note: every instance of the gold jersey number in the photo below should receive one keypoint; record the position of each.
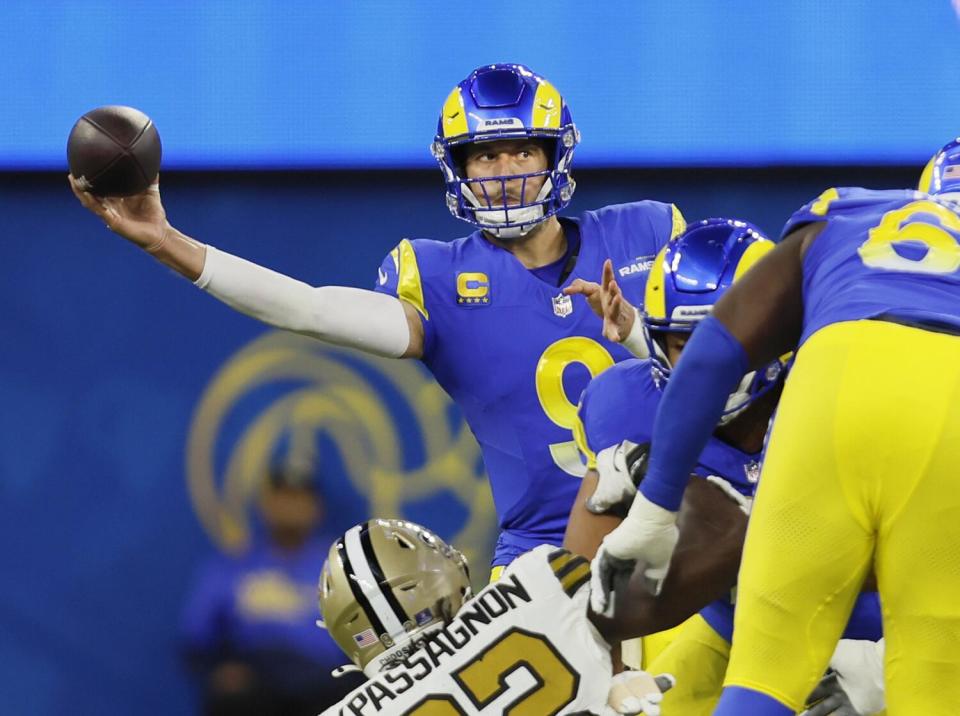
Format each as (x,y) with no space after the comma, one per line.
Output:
(484,679)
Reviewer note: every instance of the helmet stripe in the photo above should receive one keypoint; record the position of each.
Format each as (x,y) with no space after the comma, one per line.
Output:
(755,251)
(655,300)
(357,590)
(367,544)
(454,117)
(365,588)
(546,107)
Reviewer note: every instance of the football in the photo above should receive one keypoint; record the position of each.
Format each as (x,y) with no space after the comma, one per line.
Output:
(114,151)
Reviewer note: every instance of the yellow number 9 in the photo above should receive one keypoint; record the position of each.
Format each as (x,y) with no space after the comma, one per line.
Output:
(902,225)
(554,400)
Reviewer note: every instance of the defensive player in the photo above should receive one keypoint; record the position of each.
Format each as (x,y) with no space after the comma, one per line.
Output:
(689,275)
(523,645)
(486,313)
(861,464)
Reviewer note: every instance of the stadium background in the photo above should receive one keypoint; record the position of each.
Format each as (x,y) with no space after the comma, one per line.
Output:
(136,411)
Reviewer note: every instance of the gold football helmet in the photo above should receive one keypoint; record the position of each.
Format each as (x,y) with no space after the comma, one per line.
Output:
(385,584)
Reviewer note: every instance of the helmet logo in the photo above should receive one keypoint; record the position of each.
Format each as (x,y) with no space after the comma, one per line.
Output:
(500,123)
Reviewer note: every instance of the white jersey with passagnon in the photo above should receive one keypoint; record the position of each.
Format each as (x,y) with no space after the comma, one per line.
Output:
(522,643)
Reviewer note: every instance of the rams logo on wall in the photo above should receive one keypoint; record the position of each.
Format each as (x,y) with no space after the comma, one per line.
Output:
(382,438)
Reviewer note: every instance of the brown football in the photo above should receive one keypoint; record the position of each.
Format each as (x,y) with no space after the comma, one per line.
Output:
(114,151)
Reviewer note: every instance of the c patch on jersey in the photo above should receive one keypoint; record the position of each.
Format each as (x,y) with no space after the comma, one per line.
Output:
(572,570)
(473,288)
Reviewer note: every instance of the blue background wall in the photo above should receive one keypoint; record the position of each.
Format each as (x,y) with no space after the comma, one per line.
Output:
(271,82)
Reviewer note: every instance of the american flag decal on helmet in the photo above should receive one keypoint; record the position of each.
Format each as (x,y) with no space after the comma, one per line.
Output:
(365,638)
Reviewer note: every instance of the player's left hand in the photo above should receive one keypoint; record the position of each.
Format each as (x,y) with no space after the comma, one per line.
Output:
(637,692)
(646,539)
(607,301)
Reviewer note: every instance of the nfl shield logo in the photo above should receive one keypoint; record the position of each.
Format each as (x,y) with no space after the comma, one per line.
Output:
(752,469)
(562,305)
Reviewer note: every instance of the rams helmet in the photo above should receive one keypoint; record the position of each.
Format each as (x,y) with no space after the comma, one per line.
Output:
(688,277)
(505,101)
(386,584)
(942,173)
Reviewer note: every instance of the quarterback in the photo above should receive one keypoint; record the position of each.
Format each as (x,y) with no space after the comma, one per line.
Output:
(860,469)
(488,313)
(397,600)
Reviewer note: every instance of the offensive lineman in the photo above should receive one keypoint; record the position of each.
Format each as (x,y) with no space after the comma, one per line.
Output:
(689,276)
(487,313)
(861,465)
(523,645)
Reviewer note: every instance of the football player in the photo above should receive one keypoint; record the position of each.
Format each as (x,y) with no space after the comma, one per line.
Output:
(397,600)
(487,314)
(689,276)
(861,463)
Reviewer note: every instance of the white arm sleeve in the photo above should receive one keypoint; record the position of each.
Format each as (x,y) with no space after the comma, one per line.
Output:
(371,321)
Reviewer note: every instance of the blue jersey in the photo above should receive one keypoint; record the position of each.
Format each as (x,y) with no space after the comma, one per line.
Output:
(514,353)
(882,253)
(621,405)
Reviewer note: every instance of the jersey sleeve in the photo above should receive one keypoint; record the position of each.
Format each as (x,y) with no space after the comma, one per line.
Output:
(634,234)
(401,275)
(571,570)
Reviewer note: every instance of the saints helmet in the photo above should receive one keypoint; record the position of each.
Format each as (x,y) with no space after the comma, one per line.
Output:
(385,585)
(688,277)
(505,101)
(942,173)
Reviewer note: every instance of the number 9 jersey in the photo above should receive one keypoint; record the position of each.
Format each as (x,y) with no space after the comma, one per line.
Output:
(514,353)
(523,645)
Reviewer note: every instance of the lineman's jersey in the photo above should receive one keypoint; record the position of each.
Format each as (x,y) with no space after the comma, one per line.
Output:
(891,253)
(523,642)
(621,405)
(514,353)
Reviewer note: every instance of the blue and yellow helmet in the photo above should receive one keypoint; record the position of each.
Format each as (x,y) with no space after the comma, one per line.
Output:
(942,173)
(688,277)
(505,101)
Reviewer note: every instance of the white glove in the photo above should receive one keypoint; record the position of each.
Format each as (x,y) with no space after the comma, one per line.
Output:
(854,686)
(637,692)
(647,536)
(745,503)
(616,484)
(859,667)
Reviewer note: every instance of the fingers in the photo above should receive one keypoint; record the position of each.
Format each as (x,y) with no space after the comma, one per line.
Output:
(607,276)
(587,288)
(94,203)
(611,327)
